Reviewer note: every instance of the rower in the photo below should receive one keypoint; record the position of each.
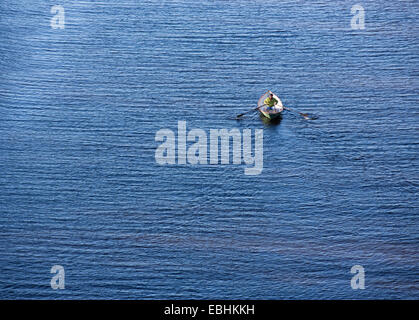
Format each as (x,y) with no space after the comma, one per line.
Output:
(270,101)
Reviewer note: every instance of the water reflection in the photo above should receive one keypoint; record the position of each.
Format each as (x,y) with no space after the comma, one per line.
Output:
(270,122)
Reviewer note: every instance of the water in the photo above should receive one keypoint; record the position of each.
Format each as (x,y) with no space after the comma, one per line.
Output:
(80,186)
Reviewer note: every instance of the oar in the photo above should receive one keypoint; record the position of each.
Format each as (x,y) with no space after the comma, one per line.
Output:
(304,115)
(242,114)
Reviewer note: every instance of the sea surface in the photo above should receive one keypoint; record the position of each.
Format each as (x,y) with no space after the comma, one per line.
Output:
(80,186)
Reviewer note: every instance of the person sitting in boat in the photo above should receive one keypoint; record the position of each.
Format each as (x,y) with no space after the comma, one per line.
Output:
(270,101)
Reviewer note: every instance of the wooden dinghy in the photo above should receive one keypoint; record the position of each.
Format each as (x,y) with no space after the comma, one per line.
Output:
(270,112)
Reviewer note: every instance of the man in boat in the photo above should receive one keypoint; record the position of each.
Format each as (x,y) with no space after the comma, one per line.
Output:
(270,101)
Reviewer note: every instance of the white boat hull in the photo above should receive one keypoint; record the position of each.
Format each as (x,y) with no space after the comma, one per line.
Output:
(270,112)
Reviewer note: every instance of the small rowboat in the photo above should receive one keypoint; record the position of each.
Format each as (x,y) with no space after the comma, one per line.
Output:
(270,112)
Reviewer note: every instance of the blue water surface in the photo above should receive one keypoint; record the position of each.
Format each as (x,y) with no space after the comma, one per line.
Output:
(80,186)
